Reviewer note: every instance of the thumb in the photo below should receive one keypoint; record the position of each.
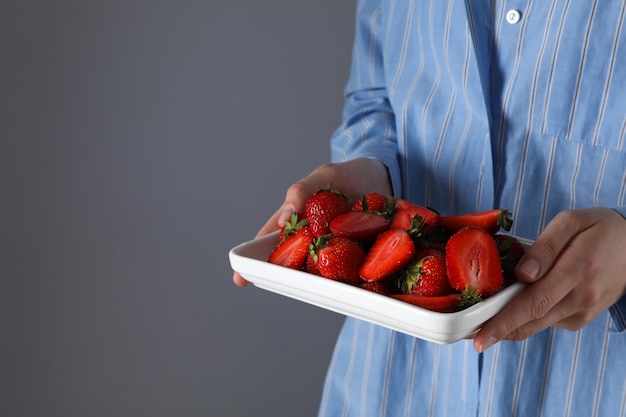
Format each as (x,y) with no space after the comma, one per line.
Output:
(543,253)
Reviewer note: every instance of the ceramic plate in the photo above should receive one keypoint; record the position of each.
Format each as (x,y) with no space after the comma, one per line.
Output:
(250,260)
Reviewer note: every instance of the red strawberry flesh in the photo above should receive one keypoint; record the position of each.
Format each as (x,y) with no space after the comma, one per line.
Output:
(473,262)
(392,251)
(404,216)
(293,251)
(440,304)
(490,220)
(359,225)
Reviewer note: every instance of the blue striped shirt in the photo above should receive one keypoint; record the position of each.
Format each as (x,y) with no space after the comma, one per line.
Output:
(517,104)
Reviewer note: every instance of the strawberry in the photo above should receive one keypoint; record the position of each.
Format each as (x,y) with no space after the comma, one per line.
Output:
(435,238)
(362,226)
(511,251)
(392,250)
(427,276)
(490,220)
(379,287)
(441,303)
(323,207)
(337,258)
(291,226)
(406,212)
(401,204)
(311,262)
(371,202)
(293,251)
(473,263)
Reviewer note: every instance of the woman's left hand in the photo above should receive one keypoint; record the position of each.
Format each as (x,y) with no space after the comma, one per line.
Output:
(576,269)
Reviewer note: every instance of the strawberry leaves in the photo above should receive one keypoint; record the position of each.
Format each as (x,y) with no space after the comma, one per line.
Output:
(292,252)
(427,276)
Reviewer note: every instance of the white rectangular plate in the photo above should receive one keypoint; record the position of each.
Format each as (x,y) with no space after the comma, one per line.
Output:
(250,260)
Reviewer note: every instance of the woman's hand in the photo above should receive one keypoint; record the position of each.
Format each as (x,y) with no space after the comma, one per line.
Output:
(576,270)
(353,178)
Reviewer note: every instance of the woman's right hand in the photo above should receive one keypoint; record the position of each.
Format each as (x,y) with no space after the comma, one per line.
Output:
(353,178)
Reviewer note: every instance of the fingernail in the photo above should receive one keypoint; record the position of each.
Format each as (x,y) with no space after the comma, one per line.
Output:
(488,343)
(529,268)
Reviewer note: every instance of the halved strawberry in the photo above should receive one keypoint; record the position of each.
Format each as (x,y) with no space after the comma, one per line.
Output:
(406,212)
(490,220)
(337,258)
(391,251)
(362,226)
(322,207)
(293,251)
(440,304)
(427,276)
(291,226)
(473,263)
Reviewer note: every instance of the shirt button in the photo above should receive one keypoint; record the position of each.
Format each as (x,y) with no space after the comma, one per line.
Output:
(513,16)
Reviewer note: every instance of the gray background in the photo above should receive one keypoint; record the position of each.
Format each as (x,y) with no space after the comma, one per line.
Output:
(140,141)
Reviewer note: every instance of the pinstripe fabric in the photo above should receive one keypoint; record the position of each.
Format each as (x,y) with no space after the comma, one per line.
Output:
(471,112)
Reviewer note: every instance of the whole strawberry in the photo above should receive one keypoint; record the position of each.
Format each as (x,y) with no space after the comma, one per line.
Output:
(427,276)
(511,251)
(323,207)
(374,202)
(310,265)
(337,258)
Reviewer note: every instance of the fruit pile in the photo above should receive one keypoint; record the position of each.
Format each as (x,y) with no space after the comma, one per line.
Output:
(396,248)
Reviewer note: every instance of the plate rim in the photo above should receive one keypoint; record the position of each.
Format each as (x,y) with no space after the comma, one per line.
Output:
(249,259)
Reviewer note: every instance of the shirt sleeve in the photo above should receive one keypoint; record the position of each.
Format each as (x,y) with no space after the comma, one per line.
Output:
(368,127)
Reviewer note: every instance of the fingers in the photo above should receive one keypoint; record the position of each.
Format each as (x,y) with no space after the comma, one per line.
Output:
(354,178)
(572,274)
(295,200)
(538,309)
(239,280)
(543,253)
(530,312)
